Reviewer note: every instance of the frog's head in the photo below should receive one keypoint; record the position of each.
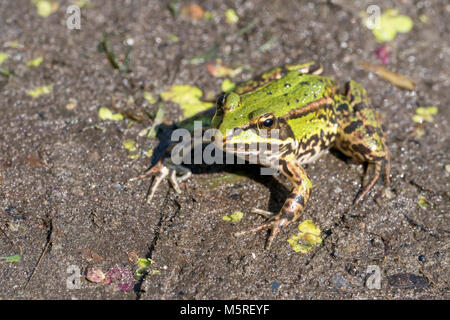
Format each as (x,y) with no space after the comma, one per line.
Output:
(246,128)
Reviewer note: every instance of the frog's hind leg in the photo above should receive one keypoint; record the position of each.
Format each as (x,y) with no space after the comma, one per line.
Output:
(264,213)
(375,175)
(292,207)
(360,135)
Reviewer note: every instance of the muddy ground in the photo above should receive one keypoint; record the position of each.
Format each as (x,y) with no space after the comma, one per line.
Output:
(64,197)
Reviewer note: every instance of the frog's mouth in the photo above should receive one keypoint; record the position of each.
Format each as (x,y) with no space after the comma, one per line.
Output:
(247,143)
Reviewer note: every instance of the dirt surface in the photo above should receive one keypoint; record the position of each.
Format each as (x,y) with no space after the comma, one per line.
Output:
(64,197)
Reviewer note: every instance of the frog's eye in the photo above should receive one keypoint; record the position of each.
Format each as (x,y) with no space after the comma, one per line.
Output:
(267,121)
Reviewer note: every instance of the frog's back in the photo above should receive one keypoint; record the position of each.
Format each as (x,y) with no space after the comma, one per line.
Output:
(293,91)
(313,122)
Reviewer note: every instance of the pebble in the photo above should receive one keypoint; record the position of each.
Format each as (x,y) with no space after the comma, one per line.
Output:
(407,281)
(340,282)
(275,285)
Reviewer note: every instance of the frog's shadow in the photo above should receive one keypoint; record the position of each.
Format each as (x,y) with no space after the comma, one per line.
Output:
(278,192)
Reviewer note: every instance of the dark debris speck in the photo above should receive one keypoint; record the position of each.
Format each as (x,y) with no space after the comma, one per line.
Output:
(275,285)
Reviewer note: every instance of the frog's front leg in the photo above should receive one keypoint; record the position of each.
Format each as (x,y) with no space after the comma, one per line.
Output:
(360,135)
(294,204)
(160,171)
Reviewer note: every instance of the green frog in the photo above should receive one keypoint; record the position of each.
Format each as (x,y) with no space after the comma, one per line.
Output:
(297,115)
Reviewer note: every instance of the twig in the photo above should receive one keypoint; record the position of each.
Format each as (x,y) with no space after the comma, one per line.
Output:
(49,241)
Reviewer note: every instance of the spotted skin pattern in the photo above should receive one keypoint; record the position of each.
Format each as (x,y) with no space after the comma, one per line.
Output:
(360,135)
(328,119)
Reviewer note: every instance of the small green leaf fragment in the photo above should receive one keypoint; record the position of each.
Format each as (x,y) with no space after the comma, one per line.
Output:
(130,145)
(402,23)
(173,38)
(82,3)
(235,217)
(389,24)
(307,238)
(423,203)
(3,57)
(219,71)
(182,94)
(308,226)
(72,104)
(40,91)
(425,114)
(423,18)
(208,15)
(117,117)
(35,62)
(144,132)
(5,72)
(14,258)
(144,262)
(227,85)
(130,100)
(188,97)
(231,16)
(149,153)
(106,114)
(12,44)
(143,265)
(148,96)
(44,7)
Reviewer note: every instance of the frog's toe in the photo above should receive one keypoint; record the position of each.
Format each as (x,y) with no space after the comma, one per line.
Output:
(275,223)
(377,166)
(149,172)
(264,213)
(375,175)
(173,180)
(160,176)
(159,172)
(184,172)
